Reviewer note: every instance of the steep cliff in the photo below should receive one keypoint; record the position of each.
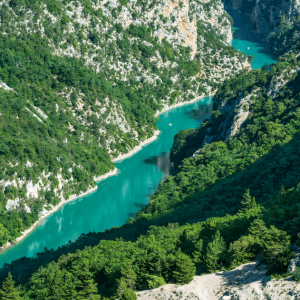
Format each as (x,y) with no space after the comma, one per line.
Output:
(265,14)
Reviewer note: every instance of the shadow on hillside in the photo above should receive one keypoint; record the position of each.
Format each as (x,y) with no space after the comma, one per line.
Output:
(245,274)
(278,168)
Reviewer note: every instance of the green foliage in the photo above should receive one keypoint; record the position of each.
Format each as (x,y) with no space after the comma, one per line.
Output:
(286,38)
(215,252)
(198,253)
(296,274)
(155,281)
(8,291)
(248,203)
(184,269)
(129,295)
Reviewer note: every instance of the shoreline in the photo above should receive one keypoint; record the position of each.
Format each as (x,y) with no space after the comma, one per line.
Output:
(102,177)
(47,213)
(157,132)
(138,147)
(166,108)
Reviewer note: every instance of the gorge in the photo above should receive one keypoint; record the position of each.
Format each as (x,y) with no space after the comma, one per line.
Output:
(232,195)
(124,194)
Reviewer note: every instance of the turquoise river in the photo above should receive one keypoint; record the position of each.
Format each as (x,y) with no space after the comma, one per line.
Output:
(120,197)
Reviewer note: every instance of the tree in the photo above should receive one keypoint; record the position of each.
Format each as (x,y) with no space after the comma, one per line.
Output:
(198,253)
(85,284)
(121,286)
(247,203)
(215,252)
(250,58)
(184,269)
(68,289)
(276,244)
(130,276)
(8,291)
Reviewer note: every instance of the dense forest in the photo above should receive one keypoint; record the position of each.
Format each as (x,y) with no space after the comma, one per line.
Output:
(79,86)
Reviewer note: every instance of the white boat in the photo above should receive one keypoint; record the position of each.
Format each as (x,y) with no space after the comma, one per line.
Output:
(170,124)
(248,48)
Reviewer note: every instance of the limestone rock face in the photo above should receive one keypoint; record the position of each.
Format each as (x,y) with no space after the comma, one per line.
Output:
(265,14)
(295,262)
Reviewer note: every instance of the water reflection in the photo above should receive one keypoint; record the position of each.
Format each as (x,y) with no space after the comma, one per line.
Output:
(200,114)
(162,161)
(243,32)
(140,205)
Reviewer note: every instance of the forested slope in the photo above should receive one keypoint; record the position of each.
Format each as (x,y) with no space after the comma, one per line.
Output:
(81,81)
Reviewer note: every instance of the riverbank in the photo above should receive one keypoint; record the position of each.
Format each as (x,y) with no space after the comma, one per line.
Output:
(137,148)
(168,107)
(157,132)
(46,213)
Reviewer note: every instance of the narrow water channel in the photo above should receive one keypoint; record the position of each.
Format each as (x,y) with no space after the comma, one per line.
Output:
(249,42)
(119,197)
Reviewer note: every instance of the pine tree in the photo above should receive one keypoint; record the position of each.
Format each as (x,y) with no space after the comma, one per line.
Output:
(8,291)
(68,289)
(198,253)
(184,269)
(130,276)
(258,229)
(214,252)
(85,284)
(247,203)
(121,286)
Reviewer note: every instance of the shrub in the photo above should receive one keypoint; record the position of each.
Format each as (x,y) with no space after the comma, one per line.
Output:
(296,274)
(155,282)
(129,295)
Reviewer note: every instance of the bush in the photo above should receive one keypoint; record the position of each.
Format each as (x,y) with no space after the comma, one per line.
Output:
(129,295)
(155,282)
(296,274)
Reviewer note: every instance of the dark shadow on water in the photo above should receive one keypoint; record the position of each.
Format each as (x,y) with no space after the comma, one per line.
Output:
(243,31)
(140,205)
(162,161)
(131,215)
(199,114)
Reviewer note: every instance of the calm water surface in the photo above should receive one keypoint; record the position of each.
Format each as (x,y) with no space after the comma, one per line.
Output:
(119,197)
(248,42)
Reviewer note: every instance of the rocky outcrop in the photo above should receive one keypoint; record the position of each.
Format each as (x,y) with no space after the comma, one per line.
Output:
(236,114)
(265,14)
(295,262)
(246,282)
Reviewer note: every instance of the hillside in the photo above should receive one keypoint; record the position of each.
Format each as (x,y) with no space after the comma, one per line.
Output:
(81,82)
